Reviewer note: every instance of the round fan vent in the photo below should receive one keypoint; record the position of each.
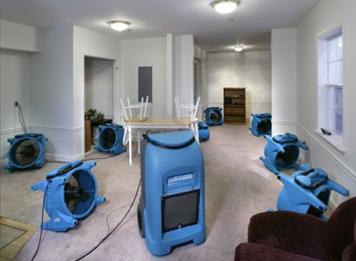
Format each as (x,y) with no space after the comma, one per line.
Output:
(288,158)
(79,193)
(26,151)
(107,138)
(214,116)
(111,138)
(264,127)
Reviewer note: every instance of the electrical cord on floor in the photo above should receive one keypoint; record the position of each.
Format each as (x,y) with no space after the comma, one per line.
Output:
(39,240)
(122,220)
(113,211)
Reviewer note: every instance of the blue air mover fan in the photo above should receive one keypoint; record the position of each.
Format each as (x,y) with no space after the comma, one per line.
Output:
(171,209)
(26,151)
(261,124)
(204,132)
(110,139)
(308,192)
(282,152)
(70,193)
(213,116)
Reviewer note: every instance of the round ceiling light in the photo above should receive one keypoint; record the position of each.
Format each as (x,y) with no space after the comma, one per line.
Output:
(239,48)
(225,6)
(119,25)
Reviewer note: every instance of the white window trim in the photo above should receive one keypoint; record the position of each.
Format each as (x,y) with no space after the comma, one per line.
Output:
(334,140)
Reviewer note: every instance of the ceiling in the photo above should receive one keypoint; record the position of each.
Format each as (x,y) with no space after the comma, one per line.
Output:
(249,25)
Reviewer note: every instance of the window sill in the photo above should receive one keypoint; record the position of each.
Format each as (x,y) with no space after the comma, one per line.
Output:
(336,143)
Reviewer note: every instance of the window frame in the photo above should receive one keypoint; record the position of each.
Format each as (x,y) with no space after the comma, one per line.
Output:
(323,85)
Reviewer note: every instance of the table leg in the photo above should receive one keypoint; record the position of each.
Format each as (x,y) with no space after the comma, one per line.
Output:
(130,145)
(139,141)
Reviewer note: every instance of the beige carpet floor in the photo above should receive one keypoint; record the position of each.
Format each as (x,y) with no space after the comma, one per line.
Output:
(237,186)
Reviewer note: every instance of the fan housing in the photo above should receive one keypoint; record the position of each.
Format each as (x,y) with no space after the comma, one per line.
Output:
(26,151)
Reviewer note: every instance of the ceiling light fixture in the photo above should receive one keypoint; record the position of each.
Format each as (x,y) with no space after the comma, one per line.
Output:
(225,6)
(239,48)
(119,25)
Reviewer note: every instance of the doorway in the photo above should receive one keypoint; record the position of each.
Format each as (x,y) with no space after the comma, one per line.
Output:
(99,97)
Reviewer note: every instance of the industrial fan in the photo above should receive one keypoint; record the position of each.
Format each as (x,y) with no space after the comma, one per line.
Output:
(26,151)
(110,138)
(204,132)
(307,191)
(261,124)
(282,152)
(70,193)
(213,116)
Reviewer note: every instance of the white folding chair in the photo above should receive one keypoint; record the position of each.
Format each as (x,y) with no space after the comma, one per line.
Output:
(184,109)
(130,112)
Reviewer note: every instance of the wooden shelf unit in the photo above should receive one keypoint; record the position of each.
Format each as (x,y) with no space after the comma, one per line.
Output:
(235,105)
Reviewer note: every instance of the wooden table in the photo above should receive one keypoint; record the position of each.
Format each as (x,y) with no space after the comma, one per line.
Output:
(157,123)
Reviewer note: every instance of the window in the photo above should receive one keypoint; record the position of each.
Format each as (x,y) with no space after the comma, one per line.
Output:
(330,67)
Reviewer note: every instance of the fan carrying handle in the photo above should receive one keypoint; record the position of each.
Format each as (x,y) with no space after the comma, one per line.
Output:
(65,169)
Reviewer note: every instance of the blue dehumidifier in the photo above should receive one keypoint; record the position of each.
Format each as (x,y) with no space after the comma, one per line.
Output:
(282,152)
(213,116)
(26,151)
(110,139)
(171,208)
(307,192)
(204,132)
(261,124)
(70,194)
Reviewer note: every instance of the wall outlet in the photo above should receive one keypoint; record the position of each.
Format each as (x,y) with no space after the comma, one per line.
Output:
(16,103)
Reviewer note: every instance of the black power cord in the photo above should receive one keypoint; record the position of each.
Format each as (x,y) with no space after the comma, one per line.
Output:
(39,240)
(122,220)
(21,117)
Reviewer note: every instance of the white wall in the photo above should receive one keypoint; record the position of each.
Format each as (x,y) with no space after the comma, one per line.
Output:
(250,69)
(183,68)
(14,86)
(52,91)
(284,90)
(327,14)
(19,37)
(99,86)
(145,52)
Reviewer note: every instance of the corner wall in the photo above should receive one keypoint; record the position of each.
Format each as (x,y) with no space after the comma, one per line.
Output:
(284,89)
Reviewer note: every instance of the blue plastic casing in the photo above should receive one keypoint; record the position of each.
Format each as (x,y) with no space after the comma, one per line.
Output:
(61,218)
(216,111)
(261,124)
(204,132)
(282,152)
(307,192)
(117,147)
(172,165)
(38,163)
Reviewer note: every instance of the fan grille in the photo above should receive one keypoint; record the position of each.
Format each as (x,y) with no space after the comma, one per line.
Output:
(286,159)
(25,152)
(79,193)
(264,126)
(107,138)
(214,116)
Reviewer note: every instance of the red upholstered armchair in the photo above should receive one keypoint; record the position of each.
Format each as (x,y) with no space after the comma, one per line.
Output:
(284,235)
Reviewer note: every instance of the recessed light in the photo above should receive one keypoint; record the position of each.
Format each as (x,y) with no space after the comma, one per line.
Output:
(119,25)
(225,6)
(238,48)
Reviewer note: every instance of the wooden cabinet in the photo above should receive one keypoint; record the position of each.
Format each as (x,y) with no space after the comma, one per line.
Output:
(235,105)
